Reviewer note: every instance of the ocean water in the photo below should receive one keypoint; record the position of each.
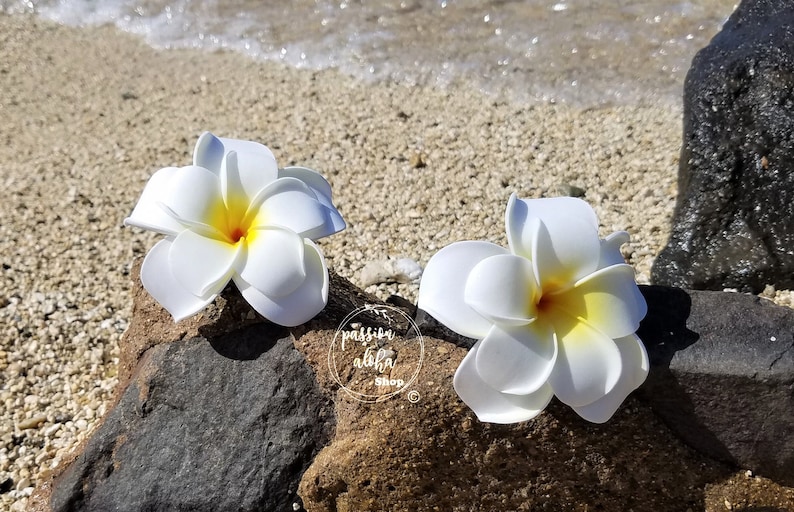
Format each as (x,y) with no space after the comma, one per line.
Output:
(582,52)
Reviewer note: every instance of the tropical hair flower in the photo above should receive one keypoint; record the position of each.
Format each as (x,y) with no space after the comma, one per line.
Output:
(556,314)
(235,216)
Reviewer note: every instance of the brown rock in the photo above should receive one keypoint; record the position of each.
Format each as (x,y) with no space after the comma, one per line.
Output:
(423,449)
(435,455)
(195,397)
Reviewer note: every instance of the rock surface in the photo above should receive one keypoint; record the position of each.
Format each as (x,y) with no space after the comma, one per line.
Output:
(433,454)
(733,220)
(421,449)
(221,413)
(227,424)
(722,375)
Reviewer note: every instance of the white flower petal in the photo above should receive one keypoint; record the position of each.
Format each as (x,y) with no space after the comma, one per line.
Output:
(311,178)
(244,175)
(490,405)
(516,219)
(275,261)
(147,213)
(194,193)
(517,360)
(502,289)
(635,360)
(555,212)
(158,280)
(443,282)
(322,189)
(289,203)
(635,369)
(210,150)
(607,299)
(246,146)
(588,363)
(303,304)
(564,250)
(610,249)
(203,265)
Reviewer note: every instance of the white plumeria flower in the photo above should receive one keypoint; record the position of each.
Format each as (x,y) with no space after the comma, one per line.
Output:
(234,215)
(555,315)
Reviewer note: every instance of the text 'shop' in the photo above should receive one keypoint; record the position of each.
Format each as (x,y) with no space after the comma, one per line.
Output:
(235,216)
(555,314)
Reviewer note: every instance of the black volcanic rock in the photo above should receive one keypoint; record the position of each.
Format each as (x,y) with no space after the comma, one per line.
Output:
(734,220)
(722,375)
(225,411)
(229,423)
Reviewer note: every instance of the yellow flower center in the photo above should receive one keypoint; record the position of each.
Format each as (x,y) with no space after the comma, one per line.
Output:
(231,220)
(237,234)
(543,304)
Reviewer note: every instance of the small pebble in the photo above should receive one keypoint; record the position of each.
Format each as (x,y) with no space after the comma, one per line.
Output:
(23,484)
(566,189)
(401,270)
(33,422)
(418,160)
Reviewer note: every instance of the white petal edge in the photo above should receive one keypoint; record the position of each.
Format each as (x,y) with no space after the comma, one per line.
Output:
(564,250)
(444,280)
(203,265)
(517,360)
(322,189)
(275,261)
(246,146)
(490,405)
(161,284)
(194,194)
(607,299)
(635,370)
(502,289)
(610,249)
(244,175)
(552,211)
(210,150)
(588,362)
(147,213)
(290,203)
(303,304)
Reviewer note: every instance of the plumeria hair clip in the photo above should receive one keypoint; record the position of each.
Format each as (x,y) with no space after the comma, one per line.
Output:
(555,314)
(235,216)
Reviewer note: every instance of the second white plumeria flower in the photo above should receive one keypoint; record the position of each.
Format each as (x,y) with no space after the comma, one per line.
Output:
(556,314)
(234,215)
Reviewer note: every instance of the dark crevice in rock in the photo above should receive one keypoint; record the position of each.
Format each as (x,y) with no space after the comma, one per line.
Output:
(781,356)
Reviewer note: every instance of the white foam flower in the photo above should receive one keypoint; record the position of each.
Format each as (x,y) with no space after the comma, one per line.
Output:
(235,216)
(556,314)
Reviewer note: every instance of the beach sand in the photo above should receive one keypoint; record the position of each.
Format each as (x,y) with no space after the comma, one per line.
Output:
(87,115)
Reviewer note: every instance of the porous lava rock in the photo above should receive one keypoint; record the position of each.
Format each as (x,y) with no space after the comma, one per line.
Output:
(225,411)
(733,225)
(722,375)
(219,412)
(424,450)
